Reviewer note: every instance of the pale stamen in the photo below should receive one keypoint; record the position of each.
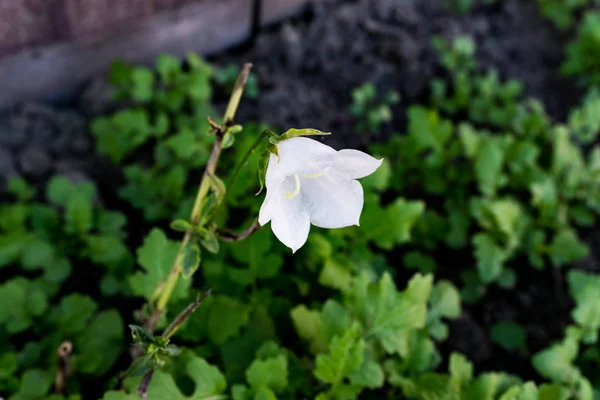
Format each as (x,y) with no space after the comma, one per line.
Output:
(291,195)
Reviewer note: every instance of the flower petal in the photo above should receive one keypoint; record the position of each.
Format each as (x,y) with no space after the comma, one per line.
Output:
(290,221)
(354,164)
(333,201)
(268,206)
(299,156)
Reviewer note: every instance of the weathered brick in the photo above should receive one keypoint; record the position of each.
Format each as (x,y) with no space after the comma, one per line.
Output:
(26,23)
(171,4)
(89,16)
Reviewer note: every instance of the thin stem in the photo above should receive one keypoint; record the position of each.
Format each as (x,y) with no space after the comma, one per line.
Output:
(228,236)
(169,285)
(143,388)
(171,329)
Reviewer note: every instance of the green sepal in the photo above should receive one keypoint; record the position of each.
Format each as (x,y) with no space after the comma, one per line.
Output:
(218,186)
(234,129)
(263,162)
(208,240)
(228,140)
(141,335)
(292,133)
(191,258)
(181,225)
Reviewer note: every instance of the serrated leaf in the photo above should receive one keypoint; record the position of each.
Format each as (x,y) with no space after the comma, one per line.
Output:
(156,256)
(226,316)
(345,356)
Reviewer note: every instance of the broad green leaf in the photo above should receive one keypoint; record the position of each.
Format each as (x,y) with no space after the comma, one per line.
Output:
(22,302)
(566,248)
(73,313)
(334,275)
(488,166)
(490,257)
(370,374)
(509,335)
(461,370)
(156,256)
(78,213)
(226,316)
(271,373)
(101,344)
(444,301)
(35,383)
(556,362)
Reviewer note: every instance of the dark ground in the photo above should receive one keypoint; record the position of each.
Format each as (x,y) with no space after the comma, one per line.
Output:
(306,69)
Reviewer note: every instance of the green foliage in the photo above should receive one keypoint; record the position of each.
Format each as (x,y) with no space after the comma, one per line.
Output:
(562,12)
(369,111)
(168,119)
(510,186)
(581,59)
(480,174)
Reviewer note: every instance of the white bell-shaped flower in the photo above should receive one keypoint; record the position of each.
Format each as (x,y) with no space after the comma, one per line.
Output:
(311,183)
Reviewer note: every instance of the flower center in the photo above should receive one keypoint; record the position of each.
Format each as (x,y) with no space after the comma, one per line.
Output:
(291,195)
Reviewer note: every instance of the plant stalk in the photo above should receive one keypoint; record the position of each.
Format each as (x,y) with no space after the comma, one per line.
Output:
(169,284)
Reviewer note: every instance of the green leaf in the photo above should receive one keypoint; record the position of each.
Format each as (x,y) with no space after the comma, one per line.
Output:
(73,313)
(556,362)
(35,383)
(509,335)
(209,382)
(334,275)
(271,373)
(390,315)
(99,347)
(37,254)
(370,374)
(584,288)
(191,259)
(444,301)
(566,248)
(461,370)
(488,166)
(59,190)
(226,316)
(22,301)
(380,179)
(78,213)
(181,225)
(168,67)
(143,84)
(490,257)
(345,356)
(156,256)
(21,189)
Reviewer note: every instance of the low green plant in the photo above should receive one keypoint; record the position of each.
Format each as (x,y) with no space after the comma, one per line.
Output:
(508,184)
(562,13)
(581,55)
(369,111)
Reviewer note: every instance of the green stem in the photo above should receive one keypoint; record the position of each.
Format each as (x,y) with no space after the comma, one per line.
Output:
(169,285)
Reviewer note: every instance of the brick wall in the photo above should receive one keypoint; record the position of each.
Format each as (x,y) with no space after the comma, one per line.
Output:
(32,23)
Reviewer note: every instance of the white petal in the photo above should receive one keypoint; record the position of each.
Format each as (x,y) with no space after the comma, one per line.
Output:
(299,155)
(354,164)
(333,201)
(268,206)
(290,221)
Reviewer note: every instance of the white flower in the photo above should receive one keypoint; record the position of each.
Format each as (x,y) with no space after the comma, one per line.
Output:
(311,183)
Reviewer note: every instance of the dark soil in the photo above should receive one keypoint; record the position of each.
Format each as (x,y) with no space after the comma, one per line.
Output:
(306,69)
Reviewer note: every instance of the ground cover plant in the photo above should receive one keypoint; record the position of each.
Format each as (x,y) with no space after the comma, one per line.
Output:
(177,292)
